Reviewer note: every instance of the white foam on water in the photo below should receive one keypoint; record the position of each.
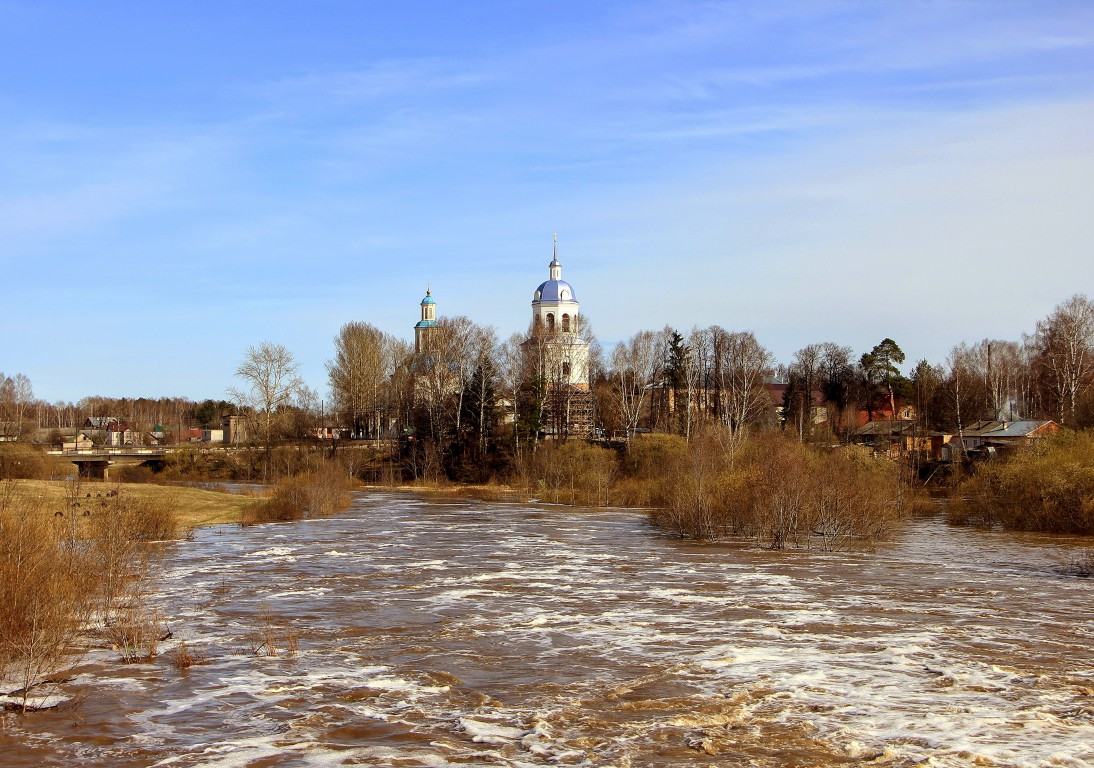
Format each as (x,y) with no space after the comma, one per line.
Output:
(309,592)
(491,733)
(35,700)
(274,554)
(390,683)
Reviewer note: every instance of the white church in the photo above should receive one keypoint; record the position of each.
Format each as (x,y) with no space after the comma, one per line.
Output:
(555,347)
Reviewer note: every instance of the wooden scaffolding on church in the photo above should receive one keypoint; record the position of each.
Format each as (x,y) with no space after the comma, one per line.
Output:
(569,412)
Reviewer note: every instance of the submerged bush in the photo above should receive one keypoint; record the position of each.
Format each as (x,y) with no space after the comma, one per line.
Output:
(319,493)
(1047,486)
(47,589)
(781,493)
(575,472)
(62,567)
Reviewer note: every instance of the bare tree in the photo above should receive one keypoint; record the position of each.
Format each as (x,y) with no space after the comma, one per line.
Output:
(16,396)
(836,379)
(510,358)
(804,373)
(700,374)
(966,387)
(479,387)
(271,381)
(46,590)
(359,372)
(634,365)
(1004,364)
(741,365)
(440,370)
(1065,342)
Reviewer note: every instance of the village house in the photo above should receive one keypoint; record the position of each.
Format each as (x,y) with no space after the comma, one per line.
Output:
(78,442)
(901,437)
(111,431)
(984,439)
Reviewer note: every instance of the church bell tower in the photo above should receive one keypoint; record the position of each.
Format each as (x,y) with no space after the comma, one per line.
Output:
(425,326)
(561,356)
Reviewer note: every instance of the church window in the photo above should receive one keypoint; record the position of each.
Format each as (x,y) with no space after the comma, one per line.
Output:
(566,369)
(550,321)
(565,323)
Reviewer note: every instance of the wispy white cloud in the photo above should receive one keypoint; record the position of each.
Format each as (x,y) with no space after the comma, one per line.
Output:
(413,78)
(936,231)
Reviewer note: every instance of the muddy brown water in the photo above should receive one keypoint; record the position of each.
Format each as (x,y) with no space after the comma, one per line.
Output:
(470,633)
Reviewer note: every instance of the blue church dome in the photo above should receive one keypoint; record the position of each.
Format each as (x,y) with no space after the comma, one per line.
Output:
(551,290)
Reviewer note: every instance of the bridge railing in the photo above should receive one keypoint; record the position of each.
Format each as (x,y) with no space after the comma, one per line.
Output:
(114,451)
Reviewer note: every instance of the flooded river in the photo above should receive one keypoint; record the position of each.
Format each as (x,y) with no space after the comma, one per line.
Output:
(471,633)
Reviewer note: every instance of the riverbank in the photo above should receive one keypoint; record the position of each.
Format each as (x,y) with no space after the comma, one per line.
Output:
(193,507)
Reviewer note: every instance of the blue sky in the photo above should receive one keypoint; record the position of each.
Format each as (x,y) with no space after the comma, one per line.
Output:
(181,181)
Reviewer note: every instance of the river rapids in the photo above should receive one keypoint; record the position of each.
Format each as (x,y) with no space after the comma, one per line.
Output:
(409,632)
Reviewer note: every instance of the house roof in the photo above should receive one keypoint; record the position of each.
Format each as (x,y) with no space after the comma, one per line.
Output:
(1005,429)
(100,422)
(891,427)
(884,427)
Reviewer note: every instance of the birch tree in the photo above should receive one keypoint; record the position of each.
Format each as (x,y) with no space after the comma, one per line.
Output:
(16,395)
(271,380)
(742,365)
(358,374)
(634,365)
(1065,342)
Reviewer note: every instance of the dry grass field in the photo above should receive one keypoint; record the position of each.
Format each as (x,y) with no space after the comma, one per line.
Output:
(193,507)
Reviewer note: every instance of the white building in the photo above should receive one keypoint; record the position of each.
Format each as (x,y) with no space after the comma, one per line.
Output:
(561,355)
(556,315)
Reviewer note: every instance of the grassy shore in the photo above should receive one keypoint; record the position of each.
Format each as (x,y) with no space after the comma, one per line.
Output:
(192,506)
(477,491)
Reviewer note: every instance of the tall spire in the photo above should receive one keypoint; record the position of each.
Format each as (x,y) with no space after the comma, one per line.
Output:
(555,266)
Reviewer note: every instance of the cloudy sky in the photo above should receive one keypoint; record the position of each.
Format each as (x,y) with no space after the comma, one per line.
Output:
(180,181)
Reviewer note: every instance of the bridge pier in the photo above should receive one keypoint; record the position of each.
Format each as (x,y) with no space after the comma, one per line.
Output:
(95,464)
(93,469)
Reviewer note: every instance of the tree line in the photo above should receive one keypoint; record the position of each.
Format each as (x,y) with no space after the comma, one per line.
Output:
(474,405)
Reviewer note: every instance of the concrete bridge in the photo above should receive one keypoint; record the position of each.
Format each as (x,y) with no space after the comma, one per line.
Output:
(96,462)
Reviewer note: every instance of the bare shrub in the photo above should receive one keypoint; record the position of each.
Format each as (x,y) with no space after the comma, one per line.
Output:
(135,632)
(646,466)
(119,528)
(1081,563)
(575,472)
(19,461)
(1047,486)
(319,493)
(268,638)
(46,586)
(133,473)
(183,657)
(781,493)
(855,498)
(692,487)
